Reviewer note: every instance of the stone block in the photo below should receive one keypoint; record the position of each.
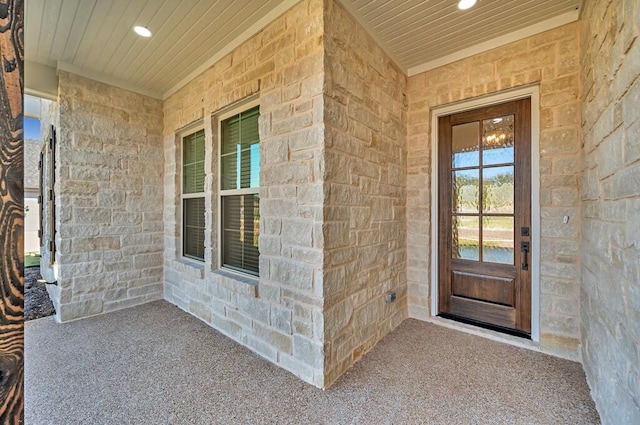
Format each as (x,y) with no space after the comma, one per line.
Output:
(254,308)
(280,341)
(268,292)
(560,141)
(338,317)
(79,231)
(111,199)
(563,345)
(558,98)
(302,328)
(260,347)
(270,32)
(307,255)
(115,294)
(220,308)
(291,273)
(297,367)
(281,318)
(523,61)
(297,122)
(88,174)
(155,288)
(98,160)
(200,310)
(297,232)
(144,261)
(79,245)
(111,266)
(308,351)
(275,150)
(77,310)
(135,239)
(307,138)
(91,215)
(627,182)
(238,317)
(227,327)
(128,302)
(269,245)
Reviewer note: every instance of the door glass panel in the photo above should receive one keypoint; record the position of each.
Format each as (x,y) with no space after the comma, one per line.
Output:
(466,238)
(465,144)
(497,140)
(465,191)
(497,190)
(497,240)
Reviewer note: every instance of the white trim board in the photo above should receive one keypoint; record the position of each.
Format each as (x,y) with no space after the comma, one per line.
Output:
(549,24)
(505,96)
(41,94)
(40,80)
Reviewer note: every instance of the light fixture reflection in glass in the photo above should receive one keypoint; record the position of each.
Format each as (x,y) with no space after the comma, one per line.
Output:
(495,139)
(142,31)
(466,4)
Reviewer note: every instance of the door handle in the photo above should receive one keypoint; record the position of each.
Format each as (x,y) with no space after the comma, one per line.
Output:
(524,247)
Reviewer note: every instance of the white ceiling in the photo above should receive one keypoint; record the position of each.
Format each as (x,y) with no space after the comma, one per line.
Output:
(422,34)
(94,38)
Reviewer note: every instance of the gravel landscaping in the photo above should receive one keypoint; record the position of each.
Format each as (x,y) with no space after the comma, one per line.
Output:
(37,303)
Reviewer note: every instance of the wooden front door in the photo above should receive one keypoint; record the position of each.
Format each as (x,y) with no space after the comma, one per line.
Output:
(484,218)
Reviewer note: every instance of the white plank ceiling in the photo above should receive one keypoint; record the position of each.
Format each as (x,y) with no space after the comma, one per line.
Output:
(94,38)
(419,32)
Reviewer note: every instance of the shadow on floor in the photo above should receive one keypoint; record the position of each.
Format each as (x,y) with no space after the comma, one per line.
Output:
(155,364)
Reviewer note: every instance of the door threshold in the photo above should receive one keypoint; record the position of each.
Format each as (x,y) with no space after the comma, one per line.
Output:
(487,333)
(496,328)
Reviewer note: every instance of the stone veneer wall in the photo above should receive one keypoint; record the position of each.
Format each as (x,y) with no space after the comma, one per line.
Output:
(550,59)
(610,247)
(32,150)
(49,115)
(278,315)
(108,199)
(365,182)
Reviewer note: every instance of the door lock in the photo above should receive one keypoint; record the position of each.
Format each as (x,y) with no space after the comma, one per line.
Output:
(525,247)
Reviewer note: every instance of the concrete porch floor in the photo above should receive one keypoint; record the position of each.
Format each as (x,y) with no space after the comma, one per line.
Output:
(155,364)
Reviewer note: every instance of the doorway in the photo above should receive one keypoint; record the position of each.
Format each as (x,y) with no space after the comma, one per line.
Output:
(484,216)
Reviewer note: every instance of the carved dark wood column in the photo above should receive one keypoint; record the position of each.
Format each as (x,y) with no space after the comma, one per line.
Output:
(11,212)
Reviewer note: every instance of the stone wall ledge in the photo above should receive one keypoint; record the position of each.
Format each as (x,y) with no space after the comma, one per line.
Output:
(235,277)
(191,267)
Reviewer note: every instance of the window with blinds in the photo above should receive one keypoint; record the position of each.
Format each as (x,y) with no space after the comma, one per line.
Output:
(193,196)
(239,187)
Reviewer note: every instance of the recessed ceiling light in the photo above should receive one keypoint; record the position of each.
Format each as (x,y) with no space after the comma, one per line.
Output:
(142,31)
(466,4)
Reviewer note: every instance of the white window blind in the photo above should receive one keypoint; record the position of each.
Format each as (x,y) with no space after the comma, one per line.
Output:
(193,196)
(239,186)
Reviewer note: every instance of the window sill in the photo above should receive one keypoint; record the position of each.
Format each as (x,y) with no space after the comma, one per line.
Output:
(239,277)
(191,266)
(193,263)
